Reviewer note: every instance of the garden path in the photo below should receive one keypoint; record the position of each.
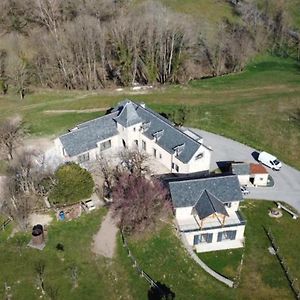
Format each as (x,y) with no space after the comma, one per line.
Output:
(104,242)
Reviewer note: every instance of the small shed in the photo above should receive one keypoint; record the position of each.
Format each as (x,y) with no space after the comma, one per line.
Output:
(242,170)
(258,175)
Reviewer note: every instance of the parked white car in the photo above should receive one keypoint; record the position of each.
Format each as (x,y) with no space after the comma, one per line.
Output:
(269,160)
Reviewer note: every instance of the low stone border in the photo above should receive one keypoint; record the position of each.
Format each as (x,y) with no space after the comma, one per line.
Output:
(205,267)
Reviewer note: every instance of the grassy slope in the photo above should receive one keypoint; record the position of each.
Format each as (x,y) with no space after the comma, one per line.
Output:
(96,277)
(161,255)
(209,11)
(164,259)
(253,107)
(291,10)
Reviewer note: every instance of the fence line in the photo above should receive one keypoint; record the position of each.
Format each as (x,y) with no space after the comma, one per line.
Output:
(5,223)
(140,271)
(291,279)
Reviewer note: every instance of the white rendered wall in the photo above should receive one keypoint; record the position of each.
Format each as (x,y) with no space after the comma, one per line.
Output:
(215,245)
(244,179)
(260,179)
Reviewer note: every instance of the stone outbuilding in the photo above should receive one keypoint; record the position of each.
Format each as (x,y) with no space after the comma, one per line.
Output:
(258,175)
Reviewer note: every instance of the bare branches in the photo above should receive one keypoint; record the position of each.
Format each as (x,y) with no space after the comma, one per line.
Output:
(134,162)
(138,202)
(11,134)
(23,188)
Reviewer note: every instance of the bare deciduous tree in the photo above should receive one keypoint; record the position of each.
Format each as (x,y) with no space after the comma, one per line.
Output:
(138,203)
(11,134)
(134,162)
(23,188)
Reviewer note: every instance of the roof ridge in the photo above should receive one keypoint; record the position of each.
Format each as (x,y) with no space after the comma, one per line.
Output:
(81,128)
(202,178)
(210,200)
(199,197)
(172,126)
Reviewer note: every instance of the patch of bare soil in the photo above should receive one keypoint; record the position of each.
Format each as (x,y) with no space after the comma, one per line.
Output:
(104,242)
(62,111)
(43,219)
(38,144)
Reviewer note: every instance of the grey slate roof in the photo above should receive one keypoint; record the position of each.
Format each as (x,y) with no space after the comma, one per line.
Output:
(128,115)
(171,137)
(240,168)
(209,204)
(186,193)
(88,134)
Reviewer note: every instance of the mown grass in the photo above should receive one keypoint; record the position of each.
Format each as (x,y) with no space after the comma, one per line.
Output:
(163,257)
(224,262)
(160,254)
(209,11)
(254,107)
(97,277)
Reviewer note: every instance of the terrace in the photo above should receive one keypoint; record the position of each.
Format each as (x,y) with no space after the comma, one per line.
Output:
(190,224)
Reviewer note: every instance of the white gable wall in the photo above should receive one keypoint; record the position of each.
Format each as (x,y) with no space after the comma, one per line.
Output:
(200,164)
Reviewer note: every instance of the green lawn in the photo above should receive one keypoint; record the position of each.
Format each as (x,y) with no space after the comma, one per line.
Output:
(254,107)
(224,262)
(160,254)
(163,257)
(96,277)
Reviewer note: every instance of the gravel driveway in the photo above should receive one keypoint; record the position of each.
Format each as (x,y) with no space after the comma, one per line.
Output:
(287,180)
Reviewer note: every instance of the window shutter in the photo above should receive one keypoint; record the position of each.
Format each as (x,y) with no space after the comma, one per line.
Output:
(220,236)
(209,237)
(232,234)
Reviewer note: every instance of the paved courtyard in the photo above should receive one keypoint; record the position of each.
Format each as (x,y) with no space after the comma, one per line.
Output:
(287,180)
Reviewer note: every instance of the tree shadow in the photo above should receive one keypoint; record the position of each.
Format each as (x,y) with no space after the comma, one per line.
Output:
(255,155)
(161,292)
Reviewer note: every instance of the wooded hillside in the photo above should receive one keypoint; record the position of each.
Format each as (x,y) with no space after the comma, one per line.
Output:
(91,44)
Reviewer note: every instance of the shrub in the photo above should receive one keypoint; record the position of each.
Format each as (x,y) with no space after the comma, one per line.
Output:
(72,184)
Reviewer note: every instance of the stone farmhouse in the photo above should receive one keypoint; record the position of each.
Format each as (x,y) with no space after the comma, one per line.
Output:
(135,126)
(206,208)
(207,212)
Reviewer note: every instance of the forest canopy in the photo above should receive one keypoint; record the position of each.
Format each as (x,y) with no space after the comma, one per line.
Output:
(92,44)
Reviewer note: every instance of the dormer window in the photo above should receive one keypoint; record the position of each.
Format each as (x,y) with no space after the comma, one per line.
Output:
(158,134)
(178,149)
(145,126)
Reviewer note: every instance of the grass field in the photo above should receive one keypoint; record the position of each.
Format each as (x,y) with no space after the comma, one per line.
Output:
(160,254)
(262,277)
(208,11)
(97,277)
(255,107)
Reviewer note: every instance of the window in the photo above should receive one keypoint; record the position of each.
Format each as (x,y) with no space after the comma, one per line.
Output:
(134,129)
(154,152)
(136,142)
(228,204)
(105,145)
(83,157)
(200,155)
(203,238)
(177,168)
(144,145)
(160,156)
(173,165)
(226,235)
